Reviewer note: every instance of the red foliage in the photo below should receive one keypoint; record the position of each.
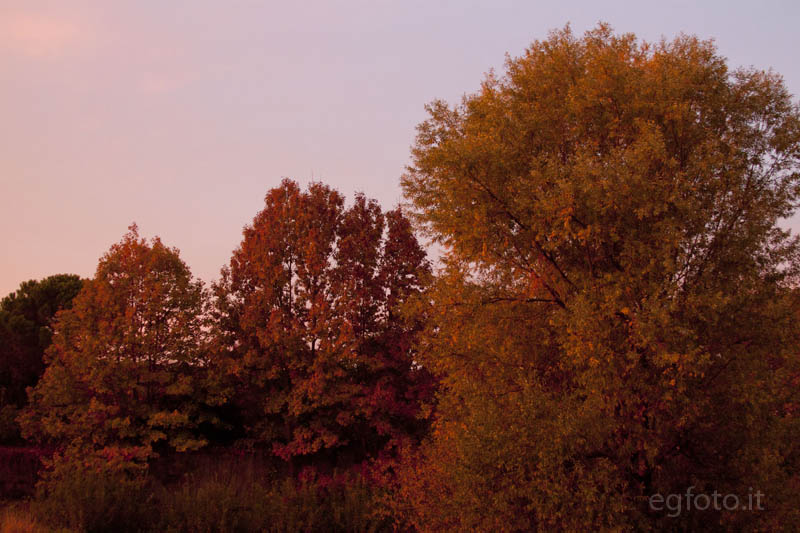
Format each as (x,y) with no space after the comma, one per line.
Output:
(312,322)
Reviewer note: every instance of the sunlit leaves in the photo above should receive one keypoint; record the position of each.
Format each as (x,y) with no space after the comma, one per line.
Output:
(312,329)
(618,315)
(125,361)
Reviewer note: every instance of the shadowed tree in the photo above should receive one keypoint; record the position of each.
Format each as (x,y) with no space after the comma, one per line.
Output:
(25,333)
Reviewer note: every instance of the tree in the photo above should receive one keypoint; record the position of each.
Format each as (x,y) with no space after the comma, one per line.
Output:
(121,372)
(25,327)
(25,333)
(618,315)
(310,320)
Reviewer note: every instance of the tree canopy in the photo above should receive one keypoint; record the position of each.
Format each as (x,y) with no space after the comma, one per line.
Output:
(315,337)
(120,384)
(618,313)
(25,331)
(26,317)
(615,320)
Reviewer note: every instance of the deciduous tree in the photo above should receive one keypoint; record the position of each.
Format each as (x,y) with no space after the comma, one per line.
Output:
(310,320)
(618,317)
(120,382)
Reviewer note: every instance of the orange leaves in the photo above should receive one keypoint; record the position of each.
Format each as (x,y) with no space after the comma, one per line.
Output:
(313,309)
(638,185)
(123,352)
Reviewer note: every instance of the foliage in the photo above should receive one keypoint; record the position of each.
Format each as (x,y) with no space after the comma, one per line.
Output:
(312,332)
(25,333)
(18,518)
(19,470)
(618,314)
(240,500)
(234,493)
(9,428)
(616,318)
(121,377)
(89,499)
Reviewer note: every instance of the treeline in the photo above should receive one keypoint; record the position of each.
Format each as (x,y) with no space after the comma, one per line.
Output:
(614,324)
(303,352)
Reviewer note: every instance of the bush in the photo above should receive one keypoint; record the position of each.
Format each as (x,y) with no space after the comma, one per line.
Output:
(19,519)
(238,494)
(351,506)
(212,504)
(90,500)
(9,428)
(19,470)
(240,499)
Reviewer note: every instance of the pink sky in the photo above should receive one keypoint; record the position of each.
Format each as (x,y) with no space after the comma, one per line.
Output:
(180,115)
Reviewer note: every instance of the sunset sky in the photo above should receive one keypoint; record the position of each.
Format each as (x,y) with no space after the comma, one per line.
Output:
(180,115)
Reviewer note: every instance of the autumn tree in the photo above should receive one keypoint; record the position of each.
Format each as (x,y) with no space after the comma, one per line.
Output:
(315,342)
(618,313)
(25,332)
(120,382)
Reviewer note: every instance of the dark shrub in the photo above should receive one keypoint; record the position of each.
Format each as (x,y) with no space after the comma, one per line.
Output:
(90,501)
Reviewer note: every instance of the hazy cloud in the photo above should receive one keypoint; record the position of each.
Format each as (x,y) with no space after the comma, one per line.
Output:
(40,36)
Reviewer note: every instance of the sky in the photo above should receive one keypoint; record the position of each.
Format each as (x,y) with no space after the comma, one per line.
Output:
(180,115)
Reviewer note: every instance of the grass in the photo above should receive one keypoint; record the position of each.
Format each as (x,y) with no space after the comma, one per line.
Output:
(18,518)
(227,496)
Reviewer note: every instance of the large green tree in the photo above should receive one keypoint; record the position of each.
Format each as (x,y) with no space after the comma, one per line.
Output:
(618,315)
(312,330)
(122,372)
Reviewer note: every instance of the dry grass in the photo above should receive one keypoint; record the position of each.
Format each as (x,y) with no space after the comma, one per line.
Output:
(19,519)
